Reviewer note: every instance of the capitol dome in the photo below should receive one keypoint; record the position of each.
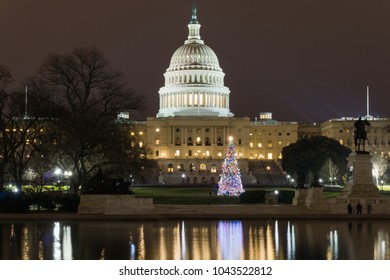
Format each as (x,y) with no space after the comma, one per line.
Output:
(194,56)
(194,81)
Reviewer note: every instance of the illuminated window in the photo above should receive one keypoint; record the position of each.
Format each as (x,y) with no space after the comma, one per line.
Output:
(132,144)
(269,155)
(219,154)
(132,133)
(202,167)
(192,167)
(141,144)
(213,168)
(170,168)
(269,144)
(280,143)
(198,141)
(141,133)
(177,153)
(259,145)
(177,141)
(251,144)
(157,141)
(157,130)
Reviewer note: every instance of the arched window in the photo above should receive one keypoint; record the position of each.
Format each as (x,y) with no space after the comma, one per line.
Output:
(189,141)
(213,168)
(181,168)
(170,168)
(219,141)
(207,141)
(202,167)
(192,167)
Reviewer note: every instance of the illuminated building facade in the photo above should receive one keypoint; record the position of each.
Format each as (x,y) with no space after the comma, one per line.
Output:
(189,135)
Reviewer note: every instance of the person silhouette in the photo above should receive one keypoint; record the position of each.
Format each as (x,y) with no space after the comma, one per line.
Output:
(359,208)
(349,207)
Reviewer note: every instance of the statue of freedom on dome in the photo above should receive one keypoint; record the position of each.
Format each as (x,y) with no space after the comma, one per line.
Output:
(194,18)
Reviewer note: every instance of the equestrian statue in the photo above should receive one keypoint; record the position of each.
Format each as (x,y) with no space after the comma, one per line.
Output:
(360,134)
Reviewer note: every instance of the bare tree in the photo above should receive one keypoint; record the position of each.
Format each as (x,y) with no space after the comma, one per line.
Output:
(330,171)
(88,95)
(5,150)
(22,135)
(379,167)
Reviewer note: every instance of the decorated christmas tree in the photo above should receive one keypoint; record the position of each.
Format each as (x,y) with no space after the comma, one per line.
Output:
(230,183)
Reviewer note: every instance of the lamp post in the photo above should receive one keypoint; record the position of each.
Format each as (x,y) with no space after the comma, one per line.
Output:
(58,173)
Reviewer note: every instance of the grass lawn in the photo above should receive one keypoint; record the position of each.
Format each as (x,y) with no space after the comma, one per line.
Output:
(197,195)
(184,195)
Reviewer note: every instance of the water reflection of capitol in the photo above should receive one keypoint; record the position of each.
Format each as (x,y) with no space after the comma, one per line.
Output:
(197,240)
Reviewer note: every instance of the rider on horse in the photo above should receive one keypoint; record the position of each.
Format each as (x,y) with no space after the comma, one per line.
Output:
(360,134)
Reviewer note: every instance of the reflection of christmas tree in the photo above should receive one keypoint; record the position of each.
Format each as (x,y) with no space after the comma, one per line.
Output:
(230,183)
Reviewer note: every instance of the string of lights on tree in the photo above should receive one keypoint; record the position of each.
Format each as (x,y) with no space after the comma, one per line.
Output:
(230,182)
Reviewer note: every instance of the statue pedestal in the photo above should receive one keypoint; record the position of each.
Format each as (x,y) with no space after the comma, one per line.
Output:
(300,197)
(316,200)
(360,188)
(312,199)
(360,182)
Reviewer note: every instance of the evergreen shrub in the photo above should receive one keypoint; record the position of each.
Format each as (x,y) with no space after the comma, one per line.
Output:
(253,196)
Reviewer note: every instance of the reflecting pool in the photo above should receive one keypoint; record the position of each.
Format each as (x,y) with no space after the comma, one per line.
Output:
(196,240)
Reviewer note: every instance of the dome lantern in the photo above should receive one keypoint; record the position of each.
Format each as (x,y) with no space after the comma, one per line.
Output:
(194,29)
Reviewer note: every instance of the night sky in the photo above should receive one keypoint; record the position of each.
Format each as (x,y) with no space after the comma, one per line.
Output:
(303,60)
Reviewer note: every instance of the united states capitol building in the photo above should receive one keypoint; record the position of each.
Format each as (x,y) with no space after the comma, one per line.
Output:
(189,136)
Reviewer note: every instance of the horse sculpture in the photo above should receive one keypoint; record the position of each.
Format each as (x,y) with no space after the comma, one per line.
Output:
(360,134)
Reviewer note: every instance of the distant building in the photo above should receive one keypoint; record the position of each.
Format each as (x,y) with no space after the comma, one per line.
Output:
(309,130)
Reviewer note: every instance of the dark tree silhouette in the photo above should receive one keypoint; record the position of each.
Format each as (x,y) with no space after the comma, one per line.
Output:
(310,154)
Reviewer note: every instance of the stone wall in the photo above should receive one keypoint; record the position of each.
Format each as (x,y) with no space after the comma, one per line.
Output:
(113,204)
